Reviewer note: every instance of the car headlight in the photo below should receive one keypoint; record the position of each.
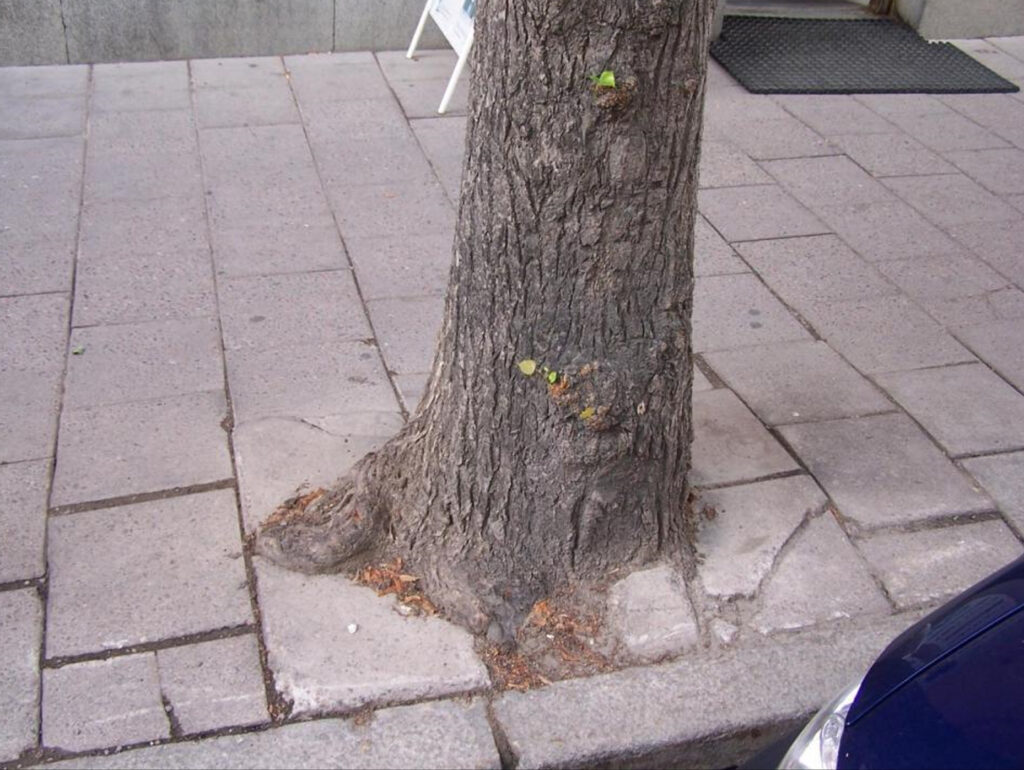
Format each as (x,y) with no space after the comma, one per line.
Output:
(817,745)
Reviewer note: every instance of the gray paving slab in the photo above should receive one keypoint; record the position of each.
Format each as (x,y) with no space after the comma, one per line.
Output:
(294,309)
(729,444)
(1002,114)
(815,269)
(967,409)
(999,305)
(883,470)
(401,267)
(441,734)
(365,121)
(134,362)
(722,165)
(828,181)
(700,381)
(886,230)
(948,276)
(443,140)
(214,684)
(126,135)
(336,77)
(820,577)
(998,344)
(378,158)
(421,98)
(750,525)
(396,210)
(712,254)
(35,331)
(997,243)
(753,213)
(173,229)
(1002,476)
(21,632)
(947,131)
(237,72)
(308,381)
(651,614)
(896,106)
(737,311)
(428,64)
(24,488)
(919,568)
(222,107)
(951,199)
(677,713)
(134,86)
(268,245)
(103,703)
(29,404)
(170,568)
(885,334)
(275,456)
(141,446)
(797,382)
(407,331)
(759,127)
(830,115)
(43,81)
(154,176)
(999,171)
(411,388)
(1017,201)
(321,664)
(32,118)
(891,155)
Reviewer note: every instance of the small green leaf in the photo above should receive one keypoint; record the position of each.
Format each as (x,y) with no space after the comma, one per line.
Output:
(606,79)
(587,413)
(77,351)
(552,377)
(528,366)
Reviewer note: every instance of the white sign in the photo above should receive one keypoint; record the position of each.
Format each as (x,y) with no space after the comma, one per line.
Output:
(455,19)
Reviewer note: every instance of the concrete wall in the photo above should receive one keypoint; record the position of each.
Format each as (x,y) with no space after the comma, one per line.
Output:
(944,19)
(78,31)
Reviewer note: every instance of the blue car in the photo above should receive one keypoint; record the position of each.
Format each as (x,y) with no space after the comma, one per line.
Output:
(947,693)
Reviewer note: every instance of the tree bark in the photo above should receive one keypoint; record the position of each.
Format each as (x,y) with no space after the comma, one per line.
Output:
(573,249)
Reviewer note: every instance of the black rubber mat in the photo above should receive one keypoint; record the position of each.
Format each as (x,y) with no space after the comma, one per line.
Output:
(846,56)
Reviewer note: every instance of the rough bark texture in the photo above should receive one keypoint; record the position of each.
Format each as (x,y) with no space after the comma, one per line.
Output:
(574,249)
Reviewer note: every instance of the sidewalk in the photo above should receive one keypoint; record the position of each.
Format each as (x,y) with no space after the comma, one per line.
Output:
(222,279)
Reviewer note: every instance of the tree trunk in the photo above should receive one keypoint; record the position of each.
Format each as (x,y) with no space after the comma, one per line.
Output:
(573,250)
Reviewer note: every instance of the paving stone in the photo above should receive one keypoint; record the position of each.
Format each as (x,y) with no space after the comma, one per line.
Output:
(401,267)
(169,568)
(947,131)
(393,210)
(700,381)
(885,334)
(103,703)
(336,77)
(935,564)
(147,177)
(722,165)
(29,405)
(830,181)
(222,107)
(886,230)
(35,331)
(891,155)
(60,80)
(674,713)
(651,614)
(21,632)
(1003,478)
(23,490)
(295,309)
(441,734)
(712,254)
(443,142)
(998,345)
(240,72)
(951,199)
(1000,305)
(998,244)
(820,268)
(729,444)
(275,456)
(820,578)
(750,525)
(134,86)
(214,684)
(999,171)
(275,245)
(381,157)
(308,381)
(754,213)
(896,106)
(31,118)
(142,446)
(835,114)
(1002,114)
(128,136)
(797,382)
(1017,201)
(132,229)
(422,98)
(321,666)
(133,362)
(428,64)
(883,470)
(947,276)
(733,311)
(760,127)
(408,330)
(968,409)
